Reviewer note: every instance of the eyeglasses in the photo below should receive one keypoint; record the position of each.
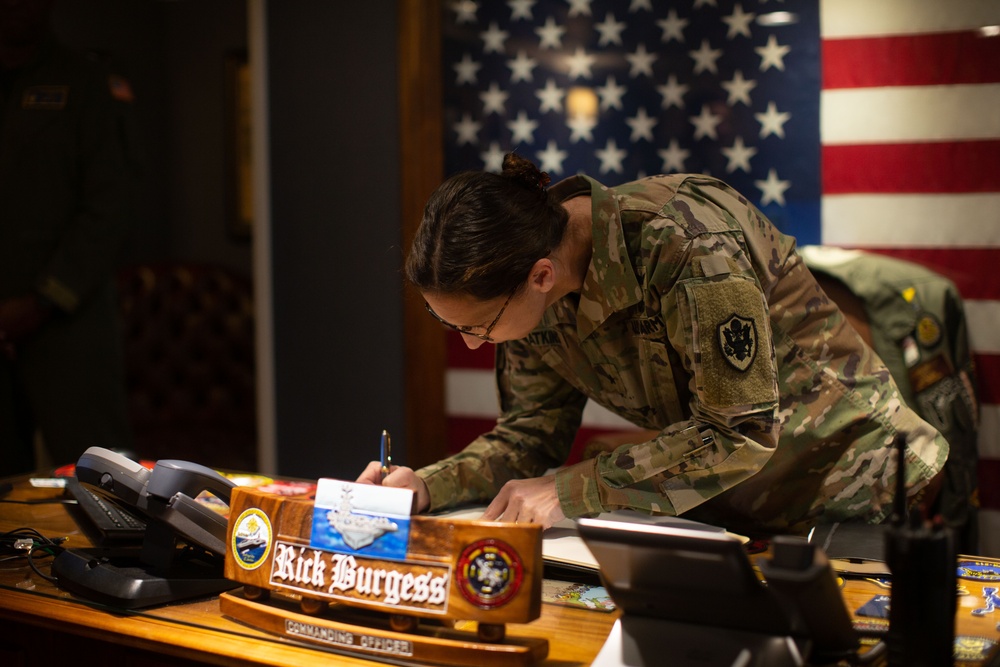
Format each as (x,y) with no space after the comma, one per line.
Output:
(467,331)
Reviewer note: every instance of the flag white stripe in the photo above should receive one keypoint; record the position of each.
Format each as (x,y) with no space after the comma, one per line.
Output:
(470,392)
(864,18)
(912,220)
(989,425)
(983,320)
(886,115)
(989,532)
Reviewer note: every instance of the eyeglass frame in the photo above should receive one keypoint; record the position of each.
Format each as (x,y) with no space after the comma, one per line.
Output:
(464,330)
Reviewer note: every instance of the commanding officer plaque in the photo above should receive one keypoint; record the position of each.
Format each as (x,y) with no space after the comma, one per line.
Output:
(352,570)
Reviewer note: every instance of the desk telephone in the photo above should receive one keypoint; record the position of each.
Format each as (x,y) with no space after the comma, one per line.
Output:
(183,543)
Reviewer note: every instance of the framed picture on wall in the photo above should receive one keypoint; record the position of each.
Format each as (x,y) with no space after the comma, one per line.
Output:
(239,204)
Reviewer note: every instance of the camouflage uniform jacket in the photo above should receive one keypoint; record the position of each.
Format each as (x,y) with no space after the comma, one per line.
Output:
(698,319)
(918,328)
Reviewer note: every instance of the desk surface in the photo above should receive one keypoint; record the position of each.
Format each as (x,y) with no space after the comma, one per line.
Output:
(198,632)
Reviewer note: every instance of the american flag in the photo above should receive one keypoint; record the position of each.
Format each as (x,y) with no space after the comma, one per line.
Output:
(848,122)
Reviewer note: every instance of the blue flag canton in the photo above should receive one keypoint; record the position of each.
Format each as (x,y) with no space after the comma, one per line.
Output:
(622,90)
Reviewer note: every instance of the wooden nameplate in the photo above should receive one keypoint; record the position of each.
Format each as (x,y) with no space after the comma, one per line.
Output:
(356,582)
(344,629)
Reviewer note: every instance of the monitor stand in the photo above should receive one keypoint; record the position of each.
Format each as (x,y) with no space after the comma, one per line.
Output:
(639,641)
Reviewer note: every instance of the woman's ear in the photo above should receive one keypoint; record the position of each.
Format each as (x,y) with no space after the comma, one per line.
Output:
(542,277)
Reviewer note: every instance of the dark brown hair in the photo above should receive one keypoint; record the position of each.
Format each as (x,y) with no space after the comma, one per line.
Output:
(482,232)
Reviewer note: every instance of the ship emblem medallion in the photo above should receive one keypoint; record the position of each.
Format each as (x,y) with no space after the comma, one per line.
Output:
(489,573)
(251,542)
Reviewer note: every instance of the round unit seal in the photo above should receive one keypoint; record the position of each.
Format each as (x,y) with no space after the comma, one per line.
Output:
(251,543)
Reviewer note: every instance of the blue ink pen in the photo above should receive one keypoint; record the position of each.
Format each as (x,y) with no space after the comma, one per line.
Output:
(386,454)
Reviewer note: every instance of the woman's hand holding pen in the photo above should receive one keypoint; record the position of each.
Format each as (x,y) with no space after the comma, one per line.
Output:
(399,477)
(527,501)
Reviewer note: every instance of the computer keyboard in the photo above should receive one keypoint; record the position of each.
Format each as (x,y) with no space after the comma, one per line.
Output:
(106,523)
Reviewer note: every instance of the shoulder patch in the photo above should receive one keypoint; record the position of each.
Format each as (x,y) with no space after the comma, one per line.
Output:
(928,330)
(732,343)
(737,338)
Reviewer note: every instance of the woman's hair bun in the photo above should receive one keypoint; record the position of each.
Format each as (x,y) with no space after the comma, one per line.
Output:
(524,172)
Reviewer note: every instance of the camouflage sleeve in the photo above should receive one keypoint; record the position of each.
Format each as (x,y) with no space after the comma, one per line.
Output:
(720,328)
(540,414)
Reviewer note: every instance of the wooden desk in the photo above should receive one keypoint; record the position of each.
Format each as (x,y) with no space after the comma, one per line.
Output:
(42,623)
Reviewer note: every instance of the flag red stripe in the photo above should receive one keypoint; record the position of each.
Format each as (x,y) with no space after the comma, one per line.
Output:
(989,483)
(460,356)
(988,376)
(910,60)
(959,166)
(463,430)
(968,268)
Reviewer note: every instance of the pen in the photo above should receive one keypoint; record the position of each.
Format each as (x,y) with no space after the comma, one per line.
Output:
(386,453)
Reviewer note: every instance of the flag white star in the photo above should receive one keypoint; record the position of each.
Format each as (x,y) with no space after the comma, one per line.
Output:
(467,129)
(520,9)
(551,158)
(466,69)
(492,158)
(738,89)
(521,66)
(579,7)
(494,99)
(672,92)
(611,30)
(673,157)
(738,22)
(550,96)
(493,38)
(739,155)
(640,4)
(465,11)
(672,27)
(772,121)
(522,129)
(611,157)
(772,189)
(579,64)
(705,123)
(642,126)
(641,62)
(611,94)
(707,3)
(581,128)
(772,54)
(550,34)
(705,57)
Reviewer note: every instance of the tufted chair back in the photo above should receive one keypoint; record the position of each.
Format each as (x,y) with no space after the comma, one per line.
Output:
(189,363)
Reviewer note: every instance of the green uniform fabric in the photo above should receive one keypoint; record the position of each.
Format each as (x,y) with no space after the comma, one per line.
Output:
(698,319)
(65,209)
(918,328)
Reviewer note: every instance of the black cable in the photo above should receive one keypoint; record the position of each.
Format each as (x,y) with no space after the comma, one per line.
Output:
(24,542)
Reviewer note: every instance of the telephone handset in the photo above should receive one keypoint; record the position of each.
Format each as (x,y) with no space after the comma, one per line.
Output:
(166,493)
(159,572)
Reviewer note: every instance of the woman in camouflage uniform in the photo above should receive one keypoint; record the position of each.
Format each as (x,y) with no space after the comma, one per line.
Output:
(674,303)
